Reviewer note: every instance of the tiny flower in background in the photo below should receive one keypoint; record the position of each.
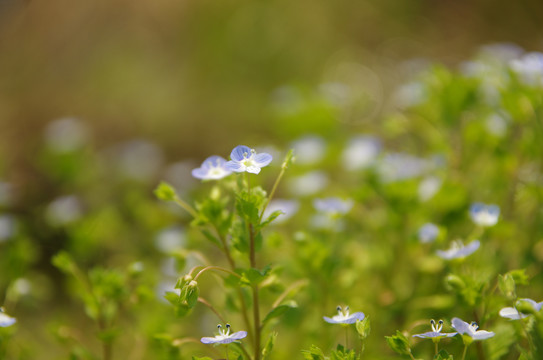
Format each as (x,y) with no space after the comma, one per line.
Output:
(308,184)
(529,68)
(246,159)
(513,314)
(6,320)
(428,187)
(66,135)
(361,152)
(8,227)
(458,250)
(213,168)
(428,233)
(470,330)
(224,336)
(333,205)
(287,207)
(484,215)
(309,149)
(343,316)
(436,333)
(64,210)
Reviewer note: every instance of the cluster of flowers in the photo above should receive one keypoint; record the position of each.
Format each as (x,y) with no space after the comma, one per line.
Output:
(482,215)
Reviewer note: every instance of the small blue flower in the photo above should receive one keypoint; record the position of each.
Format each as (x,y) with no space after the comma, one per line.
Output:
(470,330)
(6,320)
(513,314)
(428,233)
(458,250)
(436,333)
(243,158)
(288,209)
(484,215)
(333,205)
(343,317)
(224,336)
(213,168)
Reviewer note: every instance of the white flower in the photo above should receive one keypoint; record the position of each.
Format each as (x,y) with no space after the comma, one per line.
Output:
(344,317)
(464,328)
(246,159)
(213,168)
(361,152)
(287,207)
(513,314)
(6,320)
(428,233)
(333,205)
(309,150)
(458,250)
(224,336)
(436,333)
(484,215)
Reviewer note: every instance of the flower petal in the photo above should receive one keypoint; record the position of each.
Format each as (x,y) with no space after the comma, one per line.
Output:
(199,173)
(234,166)
(240,152)
(461,326)
(214,161)
(511,313)
(262,159)
(470,248)
(209,340)
(252,169)
(238,335)
(330,320)
(482,335)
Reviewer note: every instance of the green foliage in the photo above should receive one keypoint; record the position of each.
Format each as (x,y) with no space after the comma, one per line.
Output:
(363,328)
(165,192)
(266,351)
(279,310)
(443,355)
(314,353)
(399,343)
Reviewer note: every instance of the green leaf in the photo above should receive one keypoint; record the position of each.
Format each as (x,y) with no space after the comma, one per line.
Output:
(270,218)
(201,358)
(254,276)
(520,276)
(165,192)
(269,345)
(363,328)
(506,283)
(279,310)
(172,297)
(64,262)
(314,353)
(443,355)
(399,343)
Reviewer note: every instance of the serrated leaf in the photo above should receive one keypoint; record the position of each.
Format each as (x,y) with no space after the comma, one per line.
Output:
(399,343)
(314,353)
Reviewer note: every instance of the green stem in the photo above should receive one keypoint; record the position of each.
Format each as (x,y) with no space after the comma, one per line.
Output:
(346,337)
(436,348)
(276,183)
(206,303)
(215,268)
(186,206)
(465,351)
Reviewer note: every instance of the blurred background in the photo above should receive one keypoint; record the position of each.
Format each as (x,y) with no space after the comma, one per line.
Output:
(99,100)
